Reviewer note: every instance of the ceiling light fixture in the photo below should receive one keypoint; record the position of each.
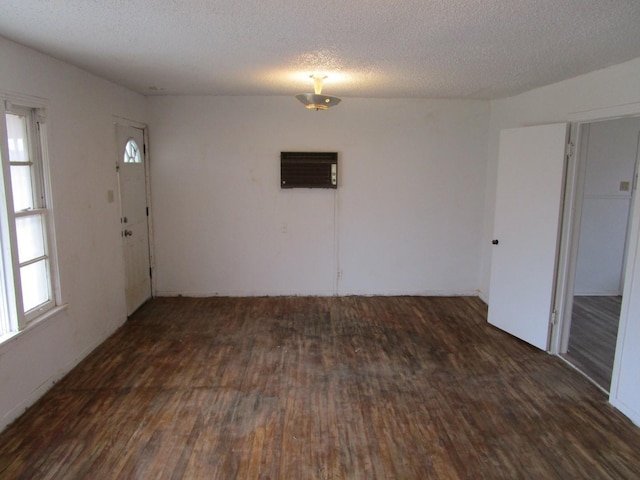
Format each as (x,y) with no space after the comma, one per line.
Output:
(316,101)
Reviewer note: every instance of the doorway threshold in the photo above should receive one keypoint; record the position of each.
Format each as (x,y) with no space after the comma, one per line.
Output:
(584,374)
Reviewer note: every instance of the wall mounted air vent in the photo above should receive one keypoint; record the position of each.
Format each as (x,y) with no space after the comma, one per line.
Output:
(309,169)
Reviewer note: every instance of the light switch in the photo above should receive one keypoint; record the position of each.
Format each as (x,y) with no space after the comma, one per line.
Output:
(110,196)
(624,186)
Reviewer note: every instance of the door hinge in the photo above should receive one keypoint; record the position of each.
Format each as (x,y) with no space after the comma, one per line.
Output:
(570,149)
(554,318)
(144,148)
(117,167)
(150,272)
(147,211)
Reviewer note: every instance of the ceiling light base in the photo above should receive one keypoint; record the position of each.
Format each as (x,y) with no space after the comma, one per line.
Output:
(316,101)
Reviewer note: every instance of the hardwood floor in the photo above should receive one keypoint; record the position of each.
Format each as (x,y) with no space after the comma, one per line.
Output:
(319,388)
(593,335)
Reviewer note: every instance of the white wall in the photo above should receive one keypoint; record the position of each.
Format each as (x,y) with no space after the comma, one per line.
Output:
(610,157)
(590,96)
(406,218)
(82,152)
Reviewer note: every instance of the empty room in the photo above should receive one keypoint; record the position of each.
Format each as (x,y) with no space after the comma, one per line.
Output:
(319,240)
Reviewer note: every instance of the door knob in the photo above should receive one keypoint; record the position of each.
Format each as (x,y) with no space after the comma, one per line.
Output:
(495,242)
(128,233)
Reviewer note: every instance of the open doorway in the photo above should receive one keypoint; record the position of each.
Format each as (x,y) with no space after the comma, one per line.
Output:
(606,184)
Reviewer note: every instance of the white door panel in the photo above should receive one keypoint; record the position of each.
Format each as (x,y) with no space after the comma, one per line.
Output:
(531,165)
(133,201)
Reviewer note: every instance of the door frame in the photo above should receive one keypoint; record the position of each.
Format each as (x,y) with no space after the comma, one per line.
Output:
(574,187)
(147,181)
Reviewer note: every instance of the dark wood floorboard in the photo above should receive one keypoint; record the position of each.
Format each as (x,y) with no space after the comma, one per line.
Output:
(593,335)
(319,388)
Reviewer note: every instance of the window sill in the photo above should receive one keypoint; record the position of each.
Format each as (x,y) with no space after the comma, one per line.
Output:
(32,325)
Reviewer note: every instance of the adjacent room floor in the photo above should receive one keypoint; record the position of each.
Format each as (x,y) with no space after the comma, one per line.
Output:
(593,335)
(319,388)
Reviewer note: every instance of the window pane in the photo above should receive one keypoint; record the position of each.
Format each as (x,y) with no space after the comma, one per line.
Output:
(22,187)
(132,152)
(30,232)
(5,324)
(17,136)
(35,284)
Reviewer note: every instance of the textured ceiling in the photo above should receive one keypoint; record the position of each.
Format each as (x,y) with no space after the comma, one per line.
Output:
(368,48)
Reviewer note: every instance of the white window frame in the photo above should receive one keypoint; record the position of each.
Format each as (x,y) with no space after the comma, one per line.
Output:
(10,266)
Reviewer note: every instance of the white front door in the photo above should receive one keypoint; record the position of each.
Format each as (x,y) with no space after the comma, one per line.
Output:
(134,215)
(531,167)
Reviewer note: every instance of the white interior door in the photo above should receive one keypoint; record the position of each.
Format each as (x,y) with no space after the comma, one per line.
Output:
(134,216)
(531,164)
